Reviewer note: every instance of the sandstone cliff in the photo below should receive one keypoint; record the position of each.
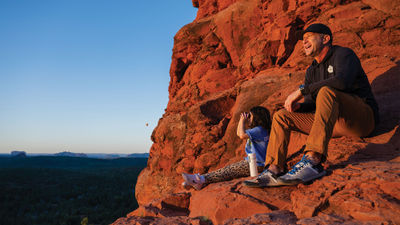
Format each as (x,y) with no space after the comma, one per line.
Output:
(241,53)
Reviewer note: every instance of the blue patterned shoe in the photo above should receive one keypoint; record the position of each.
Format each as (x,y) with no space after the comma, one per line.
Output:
(304,171)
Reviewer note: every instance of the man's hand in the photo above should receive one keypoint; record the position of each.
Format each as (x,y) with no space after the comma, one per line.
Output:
(291,103)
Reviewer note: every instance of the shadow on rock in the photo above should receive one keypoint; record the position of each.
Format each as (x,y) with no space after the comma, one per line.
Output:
(386,88)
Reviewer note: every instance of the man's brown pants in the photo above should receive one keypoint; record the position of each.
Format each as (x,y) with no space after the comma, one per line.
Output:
(337,114)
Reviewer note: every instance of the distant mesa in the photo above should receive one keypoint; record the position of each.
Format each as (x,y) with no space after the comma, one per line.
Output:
(138,155)
(110,156)
(20,154)
(117,156)
(71,154)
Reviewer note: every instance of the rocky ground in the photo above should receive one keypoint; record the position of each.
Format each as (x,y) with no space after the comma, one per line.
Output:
(238,54)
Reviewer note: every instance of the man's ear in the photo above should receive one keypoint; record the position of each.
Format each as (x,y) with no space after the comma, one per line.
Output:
(326,39)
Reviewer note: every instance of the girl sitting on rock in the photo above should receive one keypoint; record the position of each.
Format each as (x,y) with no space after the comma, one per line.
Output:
(259,121)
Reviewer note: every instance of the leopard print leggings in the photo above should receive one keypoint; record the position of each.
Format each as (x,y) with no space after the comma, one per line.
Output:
(229,172)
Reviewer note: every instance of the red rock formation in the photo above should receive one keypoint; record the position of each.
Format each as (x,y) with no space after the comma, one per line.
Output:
(242,53)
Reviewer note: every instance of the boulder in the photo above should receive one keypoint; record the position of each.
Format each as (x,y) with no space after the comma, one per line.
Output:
(241,53)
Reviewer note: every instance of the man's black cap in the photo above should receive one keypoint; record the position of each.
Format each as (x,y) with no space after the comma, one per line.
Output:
(318,28)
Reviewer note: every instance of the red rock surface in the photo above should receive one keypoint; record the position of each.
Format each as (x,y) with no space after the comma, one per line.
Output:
(241,53)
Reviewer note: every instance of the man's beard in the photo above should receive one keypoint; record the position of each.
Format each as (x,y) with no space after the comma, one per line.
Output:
(317,51)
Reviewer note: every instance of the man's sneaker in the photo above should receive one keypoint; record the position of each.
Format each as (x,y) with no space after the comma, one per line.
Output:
(302,172)
(195,180)
(265,179)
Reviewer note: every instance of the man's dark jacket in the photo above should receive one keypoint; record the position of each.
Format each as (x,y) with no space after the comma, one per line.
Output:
(340,69)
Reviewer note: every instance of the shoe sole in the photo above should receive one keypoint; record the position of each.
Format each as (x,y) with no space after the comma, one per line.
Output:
(258,185)
(298,181)
(253,185)
(323,173)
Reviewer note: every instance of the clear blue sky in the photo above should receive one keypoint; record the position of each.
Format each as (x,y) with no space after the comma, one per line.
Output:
(85,75)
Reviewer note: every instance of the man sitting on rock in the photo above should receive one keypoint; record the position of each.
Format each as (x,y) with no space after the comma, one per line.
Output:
(338,101)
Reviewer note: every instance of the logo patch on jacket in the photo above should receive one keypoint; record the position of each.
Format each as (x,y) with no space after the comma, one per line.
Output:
(330,69)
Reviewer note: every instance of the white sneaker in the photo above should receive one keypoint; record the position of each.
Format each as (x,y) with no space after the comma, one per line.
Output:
(195,180)
(265,179)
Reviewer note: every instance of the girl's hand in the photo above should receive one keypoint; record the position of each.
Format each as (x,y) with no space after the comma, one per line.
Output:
(241,125)
(245,115)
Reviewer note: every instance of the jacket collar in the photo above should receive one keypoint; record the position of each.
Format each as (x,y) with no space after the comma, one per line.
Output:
(327,56)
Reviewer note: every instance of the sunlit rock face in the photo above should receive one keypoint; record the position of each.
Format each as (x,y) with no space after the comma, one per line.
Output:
(238,54)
